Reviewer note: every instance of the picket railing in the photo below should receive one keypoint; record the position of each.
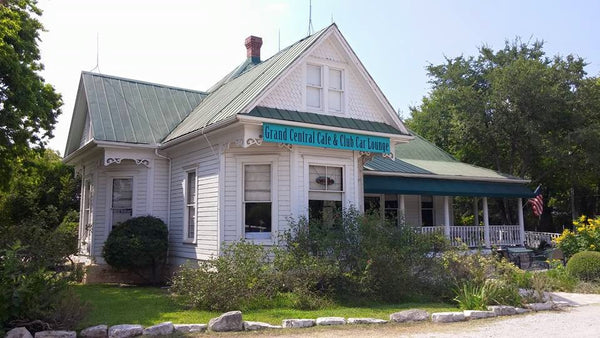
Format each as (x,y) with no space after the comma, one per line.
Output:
(473,236)
(534,238)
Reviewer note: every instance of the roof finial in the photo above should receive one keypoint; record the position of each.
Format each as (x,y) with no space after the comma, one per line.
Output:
(97,54)
(310,26)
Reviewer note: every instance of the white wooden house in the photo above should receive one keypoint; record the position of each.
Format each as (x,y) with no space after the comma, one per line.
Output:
(304,132)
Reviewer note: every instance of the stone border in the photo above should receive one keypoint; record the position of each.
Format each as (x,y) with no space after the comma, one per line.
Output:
(232,321)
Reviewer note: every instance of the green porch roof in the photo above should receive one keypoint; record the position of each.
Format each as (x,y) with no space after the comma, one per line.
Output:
(324,120)
(422,168)
(442,187)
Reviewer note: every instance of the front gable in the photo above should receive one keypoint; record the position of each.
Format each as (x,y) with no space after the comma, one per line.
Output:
(361,99)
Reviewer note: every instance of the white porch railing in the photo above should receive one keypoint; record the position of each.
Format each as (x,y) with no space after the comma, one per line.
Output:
(534,238)
(473,236)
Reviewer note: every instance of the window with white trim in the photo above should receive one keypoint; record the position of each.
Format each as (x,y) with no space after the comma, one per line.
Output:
(257,201)
(325,194)
(323,77)
(190,207)
(122,200)
(314,86)
(427,216)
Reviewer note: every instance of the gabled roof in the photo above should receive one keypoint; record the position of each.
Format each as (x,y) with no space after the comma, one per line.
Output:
(421,157)
(234,95)
(131,111)
(323,120)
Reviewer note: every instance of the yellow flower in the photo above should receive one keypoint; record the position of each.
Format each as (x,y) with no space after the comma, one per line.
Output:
(592,247)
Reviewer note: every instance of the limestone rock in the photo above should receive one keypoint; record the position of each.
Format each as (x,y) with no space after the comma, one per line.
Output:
(561,304)
(476,314)
(56,334)
(161,329)
(366,321)
(189,328)
(547,306)
(325,321)
(255,326)
(413,315)
(125,331)
(288,323)
(503,310)
(229,321)
(521,310)
(98,331)
(18,332)
(447,317)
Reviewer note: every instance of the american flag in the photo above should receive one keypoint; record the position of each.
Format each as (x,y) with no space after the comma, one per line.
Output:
(537,203)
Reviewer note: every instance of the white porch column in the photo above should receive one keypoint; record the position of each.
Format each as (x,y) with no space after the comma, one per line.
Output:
(486,223)
(447,216)
(475,211)
(521,221)
(402,209)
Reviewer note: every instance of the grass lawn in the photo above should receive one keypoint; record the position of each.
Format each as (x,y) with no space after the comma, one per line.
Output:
(113,304)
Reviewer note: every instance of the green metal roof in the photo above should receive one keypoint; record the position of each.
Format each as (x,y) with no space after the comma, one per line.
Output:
(125,110)
(324,120)
(420,156)
(441,174)
(426,186)
(234,95)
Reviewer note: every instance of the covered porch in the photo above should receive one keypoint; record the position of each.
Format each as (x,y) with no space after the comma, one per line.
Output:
(427,204)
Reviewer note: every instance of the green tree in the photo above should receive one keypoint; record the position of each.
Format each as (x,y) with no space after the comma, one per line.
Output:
(28,106)
(517,111)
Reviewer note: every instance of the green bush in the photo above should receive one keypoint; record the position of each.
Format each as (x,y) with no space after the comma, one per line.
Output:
(585,237)
(33,296)
(239,279)
(585,265)
(138,244)
(482,279)
(372,259)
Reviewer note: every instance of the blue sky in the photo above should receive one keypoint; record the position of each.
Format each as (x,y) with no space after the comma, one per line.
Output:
(192,44)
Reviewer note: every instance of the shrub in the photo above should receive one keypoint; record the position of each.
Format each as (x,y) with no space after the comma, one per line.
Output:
(371,258)
(482,278)
(33,296)
(585,237)
(138,244)
(585,265)
(239,279)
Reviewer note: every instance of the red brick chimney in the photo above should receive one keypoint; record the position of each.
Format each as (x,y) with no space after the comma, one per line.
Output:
(253,44)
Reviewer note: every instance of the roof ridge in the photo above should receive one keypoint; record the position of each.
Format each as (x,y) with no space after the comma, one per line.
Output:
(228,78)
(120,78)
(267,65)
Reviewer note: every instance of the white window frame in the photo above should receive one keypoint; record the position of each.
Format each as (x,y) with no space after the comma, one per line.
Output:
(87,214)
(433,210)
(325,87)
(256,235)
(111,178)
(185,230)
(310,163)
(242,161)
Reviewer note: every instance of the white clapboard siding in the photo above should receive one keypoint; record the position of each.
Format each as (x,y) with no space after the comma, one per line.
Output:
(412,204)
(206,163)
(161,189)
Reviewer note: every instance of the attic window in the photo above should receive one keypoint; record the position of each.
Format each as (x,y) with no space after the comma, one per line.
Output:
(314,87)
(323,77)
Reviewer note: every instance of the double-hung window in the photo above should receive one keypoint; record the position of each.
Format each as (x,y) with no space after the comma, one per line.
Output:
(427,218)
(314,86)
(190,207)
(324,88)
(122,200)
(257,201)
(326,186)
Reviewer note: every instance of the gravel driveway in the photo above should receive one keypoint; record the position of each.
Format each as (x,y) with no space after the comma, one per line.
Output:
(583,320)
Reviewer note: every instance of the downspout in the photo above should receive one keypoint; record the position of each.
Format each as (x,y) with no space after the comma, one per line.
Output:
(168,195)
